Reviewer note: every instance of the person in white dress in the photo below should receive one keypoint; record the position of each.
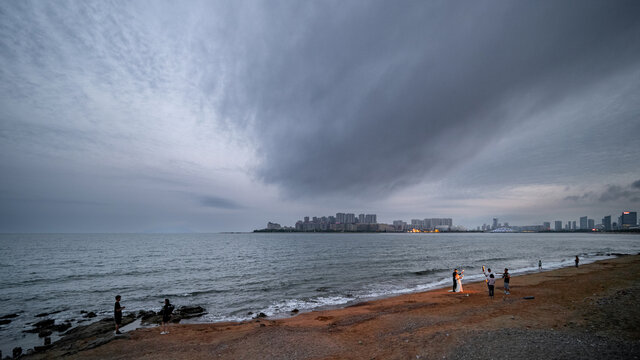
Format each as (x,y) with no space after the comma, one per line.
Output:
(459,281)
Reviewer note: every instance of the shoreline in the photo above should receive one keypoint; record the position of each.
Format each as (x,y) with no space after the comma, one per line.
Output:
(427,324)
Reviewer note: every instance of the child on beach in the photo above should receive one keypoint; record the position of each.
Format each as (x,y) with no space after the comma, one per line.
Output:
(491,282)
(487,275)
(117,314)
(507,277)
(167,309)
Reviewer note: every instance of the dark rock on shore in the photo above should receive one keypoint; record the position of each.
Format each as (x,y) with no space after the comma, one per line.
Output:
(183,312)
(295,311)
(41,326)
(45,333)
(187,312)
(62,327)
(5,322)
(49,313)
(89,315)
(17,351)
(44,323)
(261,315)
(9,316)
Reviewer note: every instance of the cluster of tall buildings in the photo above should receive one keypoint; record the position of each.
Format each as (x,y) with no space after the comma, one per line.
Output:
(349,222)
(432,224)
(628,220)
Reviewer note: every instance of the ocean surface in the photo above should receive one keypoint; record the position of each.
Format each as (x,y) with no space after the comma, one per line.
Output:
(233,274)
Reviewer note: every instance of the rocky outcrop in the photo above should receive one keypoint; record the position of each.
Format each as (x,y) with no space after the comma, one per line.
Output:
(84,337)
(183,312)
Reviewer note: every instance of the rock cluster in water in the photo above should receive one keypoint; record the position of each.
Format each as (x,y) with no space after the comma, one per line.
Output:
(84,337)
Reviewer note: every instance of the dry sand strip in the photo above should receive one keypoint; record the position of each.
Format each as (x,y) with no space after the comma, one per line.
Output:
(591,312)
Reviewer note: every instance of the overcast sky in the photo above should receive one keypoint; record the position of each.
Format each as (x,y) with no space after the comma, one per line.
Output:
(172,116)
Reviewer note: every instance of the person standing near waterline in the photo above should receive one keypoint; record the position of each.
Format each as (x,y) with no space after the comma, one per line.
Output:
(491,283)
(459,277)
(455,279)
(577,260)
(487,275)
(539,265)
(507,277)
(117,314)
(167,309)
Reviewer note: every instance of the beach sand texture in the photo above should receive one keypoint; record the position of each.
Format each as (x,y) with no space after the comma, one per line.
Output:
(591,312)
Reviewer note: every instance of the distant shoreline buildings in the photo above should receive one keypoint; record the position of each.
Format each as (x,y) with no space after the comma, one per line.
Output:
(349,222)
(627,221)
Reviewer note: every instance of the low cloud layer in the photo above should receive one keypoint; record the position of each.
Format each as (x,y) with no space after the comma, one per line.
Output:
(612,193)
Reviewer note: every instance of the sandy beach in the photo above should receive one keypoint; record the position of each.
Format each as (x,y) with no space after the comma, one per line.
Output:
(576,313)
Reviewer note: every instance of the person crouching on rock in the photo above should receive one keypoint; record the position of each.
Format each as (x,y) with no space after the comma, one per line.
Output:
(167,309)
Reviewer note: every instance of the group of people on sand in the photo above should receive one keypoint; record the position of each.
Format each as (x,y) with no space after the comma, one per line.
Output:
(490,279)
(166,311)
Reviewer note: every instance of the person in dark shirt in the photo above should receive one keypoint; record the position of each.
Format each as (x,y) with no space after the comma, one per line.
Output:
(577,260)
(455,283)
(117,314)
(167,309)
(507,277)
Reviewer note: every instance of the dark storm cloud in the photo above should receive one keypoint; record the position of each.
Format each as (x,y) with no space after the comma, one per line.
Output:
(611,193)
(360,96)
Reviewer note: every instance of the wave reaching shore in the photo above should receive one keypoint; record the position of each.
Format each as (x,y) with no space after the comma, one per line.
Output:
(232,275)
(568,313)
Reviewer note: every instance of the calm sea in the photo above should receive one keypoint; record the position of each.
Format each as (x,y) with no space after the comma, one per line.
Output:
(234,274)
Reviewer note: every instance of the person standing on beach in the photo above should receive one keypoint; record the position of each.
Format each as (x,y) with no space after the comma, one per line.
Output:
(577,260)
(117,314)
(507,277)
(539,265)
(167,309)
(488,274)
(459,277)
(455,279)
(491,283)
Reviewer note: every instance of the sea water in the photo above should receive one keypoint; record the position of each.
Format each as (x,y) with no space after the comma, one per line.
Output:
(232,275)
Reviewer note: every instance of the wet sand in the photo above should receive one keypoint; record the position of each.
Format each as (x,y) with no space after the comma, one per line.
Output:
(577,313)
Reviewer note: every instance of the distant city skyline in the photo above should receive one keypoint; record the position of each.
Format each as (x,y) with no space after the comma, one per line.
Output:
(627,220)
(214,116)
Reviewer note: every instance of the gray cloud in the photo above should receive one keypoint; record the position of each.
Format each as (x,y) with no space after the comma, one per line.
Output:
(374,97)
(143,109)
(218,203)
(611,193)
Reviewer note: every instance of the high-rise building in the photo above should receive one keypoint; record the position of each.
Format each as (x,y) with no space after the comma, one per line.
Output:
(371,219)
(583,223)
(558,225)
(606,222)
(350,218)
(361,219)
(306,219)
(546,225)
(399,225)
(591,224)
(573,226)
(341,218)
(628,219)
(495,223)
